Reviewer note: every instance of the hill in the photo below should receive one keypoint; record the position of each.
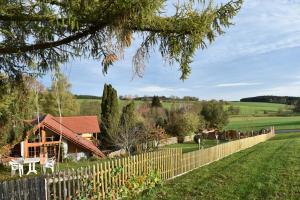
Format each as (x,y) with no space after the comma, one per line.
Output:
(273,99)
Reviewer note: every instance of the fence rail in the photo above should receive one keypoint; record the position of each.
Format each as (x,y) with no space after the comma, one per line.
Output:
(168,162)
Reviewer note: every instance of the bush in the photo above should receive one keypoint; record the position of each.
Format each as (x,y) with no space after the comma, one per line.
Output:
(69,159)
(156,102)
(214,114)
(297,107)
(135,185)
(233,110)
(183,124)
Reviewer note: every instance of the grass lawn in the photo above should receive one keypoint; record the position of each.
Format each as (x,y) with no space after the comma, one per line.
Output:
(192,146)
(255,123)
(269,170)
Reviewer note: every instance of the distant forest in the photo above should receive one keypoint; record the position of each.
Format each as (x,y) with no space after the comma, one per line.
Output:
(273,99)
(145,98)
(87,97)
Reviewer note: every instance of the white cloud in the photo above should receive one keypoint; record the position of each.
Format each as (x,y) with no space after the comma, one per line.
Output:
(285,90)
(159,89)
(261,27)
(239,84)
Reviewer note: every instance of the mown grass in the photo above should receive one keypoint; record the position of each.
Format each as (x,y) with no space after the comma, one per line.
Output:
(269,170)
(256,123)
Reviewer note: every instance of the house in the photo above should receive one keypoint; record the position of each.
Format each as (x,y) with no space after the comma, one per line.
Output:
(77,136)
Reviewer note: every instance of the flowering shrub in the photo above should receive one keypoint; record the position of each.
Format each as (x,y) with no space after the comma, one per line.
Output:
(130,190)
(135,185)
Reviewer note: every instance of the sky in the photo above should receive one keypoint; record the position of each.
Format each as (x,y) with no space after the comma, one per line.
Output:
(259,55)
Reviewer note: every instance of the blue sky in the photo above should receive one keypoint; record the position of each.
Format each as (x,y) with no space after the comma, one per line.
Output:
(257,56)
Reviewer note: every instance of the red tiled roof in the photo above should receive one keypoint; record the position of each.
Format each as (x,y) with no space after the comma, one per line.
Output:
(51,122)
(81,124)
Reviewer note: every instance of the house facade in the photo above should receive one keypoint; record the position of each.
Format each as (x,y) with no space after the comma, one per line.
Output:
(74,137)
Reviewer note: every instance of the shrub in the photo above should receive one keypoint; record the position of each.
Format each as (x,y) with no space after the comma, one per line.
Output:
(297,107)
(69,159)
(214,114)
(233,110)
(156,102)
(134,185)
(183,124)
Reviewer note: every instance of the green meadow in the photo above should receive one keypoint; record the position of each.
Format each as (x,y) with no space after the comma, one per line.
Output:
(269,170)
(254,108)
(256,123)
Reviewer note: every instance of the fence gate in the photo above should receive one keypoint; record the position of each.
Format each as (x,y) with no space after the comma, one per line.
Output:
(23,189)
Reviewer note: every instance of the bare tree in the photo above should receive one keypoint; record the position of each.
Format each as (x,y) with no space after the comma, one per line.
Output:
(128,138)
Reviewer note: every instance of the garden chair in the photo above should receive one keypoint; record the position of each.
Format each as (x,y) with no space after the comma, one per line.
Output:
(16,166)
(50,162)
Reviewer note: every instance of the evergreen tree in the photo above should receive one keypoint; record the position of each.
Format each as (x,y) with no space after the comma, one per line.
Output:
(156,102)
(43,34)
(17,103)
(128,117)
(110,115)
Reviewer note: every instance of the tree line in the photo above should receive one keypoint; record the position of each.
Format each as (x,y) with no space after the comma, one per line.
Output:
(124,128)
(121,124)
(289,100)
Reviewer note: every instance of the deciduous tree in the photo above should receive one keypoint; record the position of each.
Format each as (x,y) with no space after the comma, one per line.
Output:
(214,114)
(59,95)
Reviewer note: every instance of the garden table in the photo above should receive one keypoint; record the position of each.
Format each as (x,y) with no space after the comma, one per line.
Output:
(31,162)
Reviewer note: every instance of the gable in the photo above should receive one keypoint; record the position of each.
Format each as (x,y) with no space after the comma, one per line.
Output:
(52,124)
(81,124)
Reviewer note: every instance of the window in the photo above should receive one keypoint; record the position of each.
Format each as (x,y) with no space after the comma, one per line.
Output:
(33,152)
(37,151)
(51,151)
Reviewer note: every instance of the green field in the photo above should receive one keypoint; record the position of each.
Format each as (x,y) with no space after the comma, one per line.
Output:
(256,123)
(253,108)
(269,170)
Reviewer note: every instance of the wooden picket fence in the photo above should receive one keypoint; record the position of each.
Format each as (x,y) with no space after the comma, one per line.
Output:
(71,184)
(23,189)
(168,162)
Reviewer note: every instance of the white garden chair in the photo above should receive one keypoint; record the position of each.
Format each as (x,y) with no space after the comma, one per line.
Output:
(15,165)
(50,162)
